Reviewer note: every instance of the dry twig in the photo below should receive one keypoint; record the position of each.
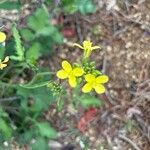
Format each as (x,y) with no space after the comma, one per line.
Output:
(129,141)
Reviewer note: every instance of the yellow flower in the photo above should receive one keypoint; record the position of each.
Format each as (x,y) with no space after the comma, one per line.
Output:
(2,37)
(70,73)
(87,47)
(3,63)
(95,83)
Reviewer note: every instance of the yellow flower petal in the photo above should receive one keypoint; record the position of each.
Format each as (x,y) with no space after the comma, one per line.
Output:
(78,72)
(87,45)
(6,59)
(72,81)
(95,47)
(2,66)
(99,88)
(66,66)
(2,37)
(87,88)
(102,79)
(78,45)
(62,74)
(90,78)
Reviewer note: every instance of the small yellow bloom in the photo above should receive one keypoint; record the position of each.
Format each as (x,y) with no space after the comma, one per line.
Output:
(3,64)
(87,47)
(69,73)
(95,83)
(2,37)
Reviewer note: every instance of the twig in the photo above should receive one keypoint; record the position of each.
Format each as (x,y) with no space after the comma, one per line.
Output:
(104,65)
(144,127)
(127,5)
(144,83)
(129,141)
(124,29)
(78,29)
(109,98)
(104,71)
(8,99)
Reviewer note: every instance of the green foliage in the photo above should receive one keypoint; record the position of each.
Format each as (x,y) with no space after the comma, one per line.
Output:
(33,52)
(87,100)
(40,99)
(8,5)
(46,131)
(39,34)
(2,50)
(83,6)
(19,48)
(40,144)
(5,130)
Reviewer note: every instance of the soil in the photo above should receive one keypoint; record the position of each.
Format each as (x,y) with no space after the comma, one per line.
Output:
(124,37)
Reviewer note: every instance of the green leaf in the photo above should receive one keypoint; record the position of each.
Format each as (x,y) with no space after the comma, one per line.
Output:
(26,137)
(40,144)
(41,98)
(27,34)
(34,52)
(9,5)
(5,130)
(87,100)
(46,131)
(38,20)
(2,51)
(85,6)
(50,32)
(19,48)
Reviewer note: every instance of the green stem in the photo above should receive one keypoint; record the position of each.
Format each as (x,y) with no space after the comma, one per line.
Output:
(8,84)
(28,86)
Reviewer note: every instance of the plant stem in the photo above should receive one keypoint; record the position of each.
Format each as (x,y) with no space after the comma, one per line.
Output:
(8,84)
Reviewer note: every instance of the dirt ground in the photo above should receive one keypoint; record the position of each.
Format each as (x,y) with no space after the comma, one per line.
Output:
(124,35)
(123,123)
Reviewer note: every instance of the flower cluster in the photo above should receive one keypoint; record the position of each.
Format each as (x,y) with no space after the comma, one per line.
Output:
(55,88)
(93,78)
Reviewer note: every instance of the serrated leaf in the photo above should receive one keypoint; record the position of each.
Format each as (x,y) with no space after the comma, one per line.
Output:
(34,52)
(38,20)
(27,34)
(19,48)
